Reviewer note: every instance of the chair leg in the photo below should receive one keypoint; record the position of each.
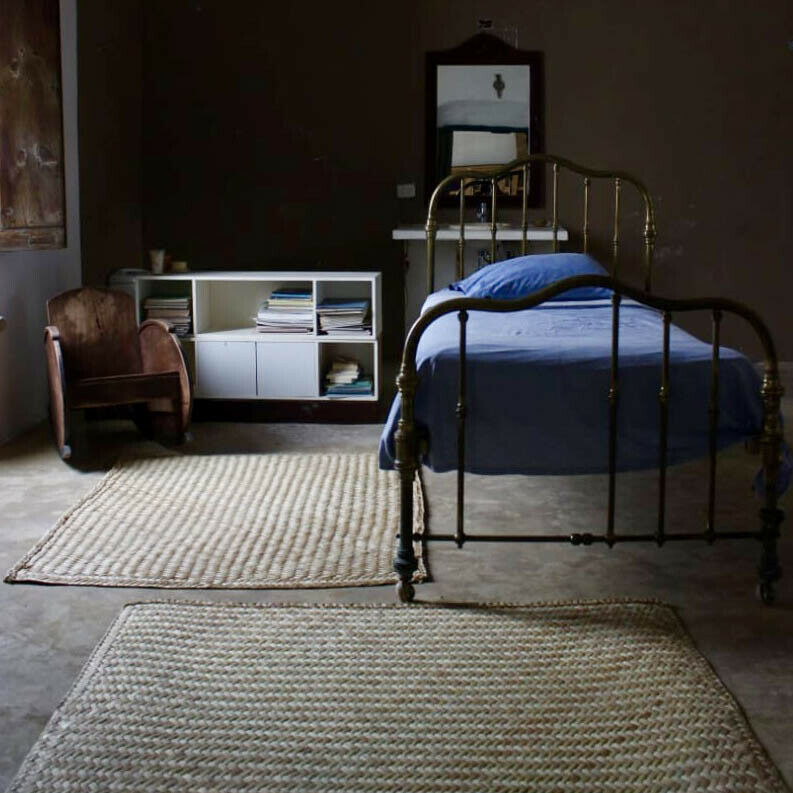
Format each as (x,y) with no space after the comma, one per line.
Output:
(166,427)
(59,412)
(142,418)
(769,570)
(59,421)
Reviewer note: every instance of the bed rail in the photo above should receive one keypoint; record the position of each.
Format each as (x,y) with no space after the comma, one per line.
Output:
(408,453)
(523,168)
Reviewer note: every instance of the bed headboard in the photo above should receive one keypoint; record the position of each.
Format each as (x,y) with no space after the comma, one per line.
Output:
(522,167)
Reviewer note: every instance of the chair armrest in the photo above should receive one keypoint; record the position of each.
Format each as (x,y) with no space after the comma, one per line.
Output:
(159,348)
(54,355)
(56,378)
(152,323)
(160,351)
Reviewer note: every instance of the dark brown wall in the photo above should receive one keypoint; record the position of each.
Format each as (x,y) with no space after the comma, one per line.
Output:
(275,138)
(109,45)
(696,99)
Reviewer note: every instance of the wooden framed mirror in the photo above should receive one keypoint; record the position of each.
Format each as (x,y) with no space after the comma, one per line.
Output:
(484,108)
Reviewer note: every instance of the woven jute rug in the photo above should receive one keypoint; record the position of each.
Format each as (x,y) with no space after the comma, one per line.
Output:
(229,521)
(402,699)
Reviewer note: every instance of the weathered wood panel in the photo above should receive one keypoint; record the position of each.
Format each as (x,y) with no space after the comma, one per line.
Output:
(32,205)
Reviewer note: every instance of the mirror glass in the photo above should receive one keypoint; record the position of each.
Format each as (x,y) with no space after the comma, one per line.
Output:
(483,110)
(482,116)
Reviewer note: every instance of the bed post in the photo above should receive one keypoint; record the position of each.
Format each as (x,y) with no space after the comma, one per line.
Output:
(769,570)
(431,229)
(405,562)
(649,242)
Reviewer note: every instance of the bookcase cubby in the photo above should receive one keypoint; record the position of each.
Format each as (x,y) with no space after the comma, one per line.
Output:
(230,359)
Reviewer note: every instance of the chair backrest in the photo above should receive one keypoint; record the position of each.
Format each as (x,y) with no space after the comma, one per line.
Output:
(99,332)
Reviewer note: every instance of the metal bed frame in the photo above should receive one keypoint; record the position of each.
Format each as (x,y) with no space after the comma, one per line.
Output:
(408,446)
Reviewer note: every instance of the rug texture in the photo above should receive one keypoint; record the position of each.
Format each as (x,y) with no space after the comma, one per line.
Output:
(229,521)
(397,699)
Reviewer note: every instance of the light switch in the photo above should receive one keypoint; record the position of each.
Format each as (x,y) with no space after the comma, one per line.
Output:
(406,190)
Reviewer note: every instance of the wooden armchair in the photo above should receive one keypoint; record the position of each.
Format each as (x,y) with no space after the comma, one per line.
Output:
(97,356)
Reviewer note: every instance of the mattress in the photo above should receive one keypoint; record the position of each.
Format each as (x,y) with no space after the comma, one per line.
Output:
(538,383)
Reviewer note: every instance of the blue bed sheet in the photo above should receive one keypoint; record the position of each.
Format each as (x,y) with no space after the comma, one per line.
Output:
(538,383)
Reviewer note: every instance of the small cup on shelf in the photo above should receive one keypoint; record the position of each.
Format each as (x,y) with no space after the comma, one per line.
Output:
(157,261)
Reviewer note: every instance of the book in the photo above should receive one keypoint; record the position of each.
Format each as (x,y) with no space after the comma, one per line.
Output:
(292,291)
(363,331)
(285,316)
(167,302)
(345,378)
(361,387)
(175,311)
(156,313)
(339,316)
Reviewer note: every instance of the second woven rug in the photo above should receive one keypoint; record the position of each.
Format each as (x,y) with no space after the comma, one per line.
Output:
(229,521)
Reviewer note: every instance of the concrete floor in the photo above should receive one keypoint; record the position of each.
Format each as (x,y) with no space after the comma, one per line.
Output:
(48,632)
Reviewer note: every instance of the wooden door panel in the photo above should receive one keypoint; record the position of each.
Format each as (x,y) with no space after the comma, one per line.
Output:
(32,205)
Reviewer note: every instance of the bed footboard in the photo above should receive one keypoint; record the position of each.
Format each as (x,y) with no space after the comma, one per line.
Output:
(408,456)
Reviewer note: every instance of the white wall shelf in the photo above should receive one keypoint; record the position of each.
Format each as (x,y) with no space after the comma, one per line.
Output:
(230,359)
(450,232)
(477,235)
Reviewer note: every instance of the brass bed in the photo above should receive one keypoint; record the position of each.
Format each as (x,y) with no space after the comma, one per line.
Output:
(408,442)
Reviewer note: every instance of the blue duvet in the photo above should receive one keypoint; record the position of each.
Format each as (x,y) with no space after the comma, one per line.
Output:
(538,384)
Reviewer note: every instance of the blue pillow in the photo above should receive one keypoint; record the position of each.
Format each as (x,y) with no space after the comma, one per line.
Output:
(524,275)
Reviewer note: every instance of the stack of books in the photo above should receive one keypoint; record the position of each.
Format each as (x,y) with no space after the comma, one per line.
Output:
(344,317)
(175,311)
(289,310)
(345,378)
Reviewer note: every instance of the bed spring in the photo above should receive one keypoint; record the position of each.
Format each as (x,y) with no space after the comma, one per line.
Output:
(407,453)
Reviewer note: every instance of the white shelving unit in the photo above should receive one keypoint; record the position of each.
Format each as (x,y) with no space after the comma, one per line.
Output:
(229,359)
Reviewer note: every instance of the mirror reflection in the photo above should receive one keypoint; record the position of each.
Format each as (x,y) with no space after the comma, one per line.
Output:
(484,110)
(483,118)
